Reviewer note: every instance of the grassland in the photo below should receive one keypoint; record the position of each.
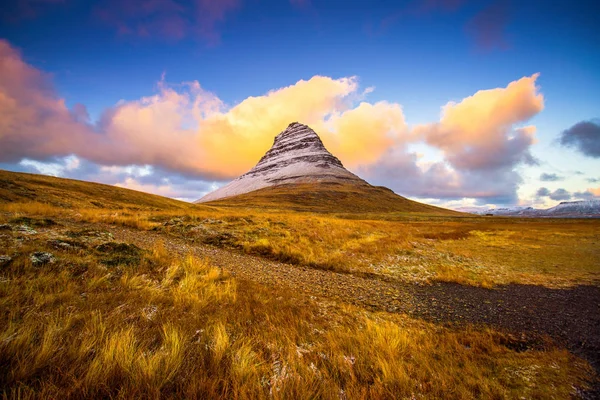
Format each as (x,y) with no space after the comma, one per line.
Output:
(116,321)
(109,319)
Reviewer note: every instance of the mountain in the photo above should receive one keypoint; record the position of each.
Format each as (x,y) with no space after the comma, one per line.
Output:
(297,156)
(566,209)
(588,208)
(299,173)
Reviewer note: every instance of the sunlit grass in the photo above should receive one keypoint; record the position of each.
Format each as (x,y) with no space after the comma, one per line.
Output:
(180,328)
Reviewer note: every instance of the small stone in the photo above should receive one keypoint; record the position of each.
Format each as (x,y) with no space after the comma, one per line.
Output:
(4,259)
(26,230)
(41,257)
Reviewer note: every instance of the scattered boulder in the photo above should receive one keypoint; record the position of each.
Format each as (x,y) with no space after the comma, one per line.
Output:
(41,258)
(174,221)
(26,230)
(4,259)
(87,232)
(5,227)
(65,244)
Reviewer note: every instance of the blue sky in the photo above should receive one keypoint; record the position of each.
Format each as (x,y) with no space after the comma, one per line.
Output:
(121,61)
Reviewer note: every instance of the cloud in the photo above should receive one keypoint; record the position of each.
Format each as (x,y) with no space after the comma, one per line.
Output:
(488,26)
(185,128)
(34,122)
(593,180)
(587,195)
(543,192)
(403,173)
(545,177)
(187,131)
(594,191)
(583,136)
(482,144)
(480,133)
(170,19)
(558,194)
(16,10)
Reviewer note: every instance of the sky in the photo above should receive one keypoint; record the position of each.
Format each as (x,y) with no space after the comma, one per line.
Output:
(455,103)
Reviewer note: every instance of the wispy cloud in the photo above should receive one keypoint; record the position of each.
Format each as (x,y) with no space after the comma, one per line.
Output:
(167,19)
(546,177)
(488,26)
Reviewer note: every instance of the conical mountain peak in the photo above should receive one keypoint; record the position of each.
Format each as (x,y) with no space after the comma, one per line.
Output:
(297,156)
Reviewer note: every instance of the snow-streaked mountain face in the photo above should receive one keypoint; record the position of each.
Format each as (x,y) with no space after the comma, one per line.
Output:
(297,156)
(566,209)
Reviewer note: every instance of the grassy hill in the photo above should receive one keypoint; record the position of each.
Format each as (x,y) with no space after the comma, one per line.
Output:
(17,187)
(330,198)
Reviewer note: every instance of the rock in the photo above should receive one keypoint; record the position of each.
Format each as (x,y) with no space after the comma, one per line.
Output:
(4,259)
(65,244)
(41,258)
(5,227)
(26,230)
(297,156)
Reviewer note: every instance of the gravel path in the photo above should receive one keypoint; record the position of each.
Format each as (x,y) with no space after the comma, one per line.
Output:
(569,316)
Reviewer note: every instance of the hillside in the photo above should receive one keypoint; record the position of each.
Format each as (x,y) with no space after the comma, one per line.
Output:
(330,198)
(17,187)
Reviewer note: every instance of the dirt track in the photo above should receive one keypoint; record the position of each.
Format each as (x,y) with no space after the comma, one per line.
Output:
(570,316)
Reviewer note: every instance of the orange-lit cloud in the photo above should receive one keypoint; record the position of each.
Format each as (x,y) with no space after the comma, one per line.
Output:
(482,143)
(34,121)
(187,130)
(480,132)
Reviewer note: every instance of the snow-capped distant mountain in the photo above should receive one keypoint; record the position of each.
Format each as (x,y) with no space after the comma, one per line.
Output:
(566,209)
(576,208)
(297,156)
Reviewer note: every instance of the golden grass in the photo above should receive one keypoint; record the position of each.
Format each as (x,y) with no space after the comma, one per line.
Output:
(476,251)
(417,245)
(169,327)
(113,321)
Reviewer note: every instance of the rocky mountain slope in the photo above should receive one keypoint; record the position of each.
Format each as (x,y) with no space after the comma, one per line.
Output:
(297,156)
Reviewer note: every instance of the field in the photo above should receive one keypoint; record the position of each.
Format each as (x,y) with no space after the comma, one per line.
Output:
(136,296)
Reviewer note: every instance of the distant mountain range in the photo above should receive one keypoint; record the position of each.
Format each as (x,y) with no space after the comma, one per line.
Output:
(566,209)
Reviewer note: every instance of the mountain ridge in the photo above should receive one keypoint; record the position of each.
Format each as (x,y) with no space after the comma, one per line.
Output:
(300,174)
(296,156)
